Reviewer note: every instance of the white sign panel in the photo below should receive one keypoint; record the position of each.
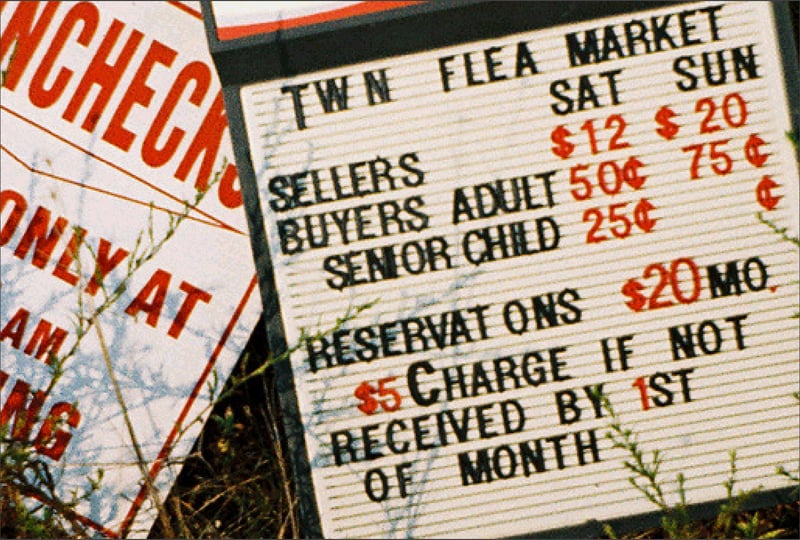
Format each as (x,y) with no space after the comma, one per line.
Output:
(111,121)
(541,219)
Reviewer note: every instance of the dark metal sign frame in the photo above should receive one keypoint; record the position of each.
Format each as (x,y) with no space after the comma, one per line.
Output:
(405,30)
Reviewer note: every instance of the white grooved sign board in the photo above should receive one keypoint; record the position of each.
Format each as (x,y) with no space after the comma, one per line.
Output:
(110,121)
(522,233)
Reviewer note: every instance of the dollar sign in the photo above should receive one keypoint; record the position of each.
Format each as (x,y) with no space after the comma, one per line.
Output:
(631,289)
(364,392)
(668,128)
(641,215)
(752,151)
(559,137)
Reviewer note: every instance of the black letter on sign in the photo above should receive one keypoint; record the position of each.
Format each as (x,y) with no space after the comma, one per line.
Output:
(297,103)
(375,86)
(384,487)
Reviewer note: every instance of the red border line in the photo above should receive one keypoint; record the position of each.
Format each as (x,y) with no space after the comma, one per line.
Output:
(167,448)
(183,7)
(78,517)
(103,191)
(120,169)
(362,8)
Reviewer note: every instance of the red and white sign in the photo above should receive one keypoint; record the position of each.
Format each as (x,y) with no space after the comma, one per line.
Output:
(241,19)
(111,121)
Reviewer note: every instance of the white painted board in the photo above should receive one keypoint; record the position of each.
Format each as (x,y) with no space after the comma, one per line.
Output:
(111,119)
(536,218)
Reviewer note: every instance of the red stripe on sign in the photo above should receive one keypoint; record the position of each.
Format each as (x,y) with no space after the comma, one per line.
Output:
(81,185)
(183,7)
(363,8)
(70,514)
(177,427)
(126,172)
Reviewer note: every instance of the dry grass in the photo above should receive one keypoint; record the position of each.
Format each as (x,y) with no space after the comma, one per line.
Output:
(780,521)
(236,483)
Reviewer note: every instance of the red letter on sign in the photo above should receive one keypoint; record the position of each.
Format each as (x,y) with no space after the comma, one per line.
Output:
(107,76)
(138,92)
(62,271)
(103,265)
(45,241)
(61,437)
(207,142)
(158,284)
(20,29)
(15,327)
(40,96)
(14,217)
(16,404)
(196,72)
(42,341)
(193,295)
(228,194)
(47,342)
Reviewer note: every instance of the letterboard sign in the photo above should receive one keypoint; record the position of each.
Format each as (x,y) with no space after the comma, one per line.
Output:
(568,207)
(111,123)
